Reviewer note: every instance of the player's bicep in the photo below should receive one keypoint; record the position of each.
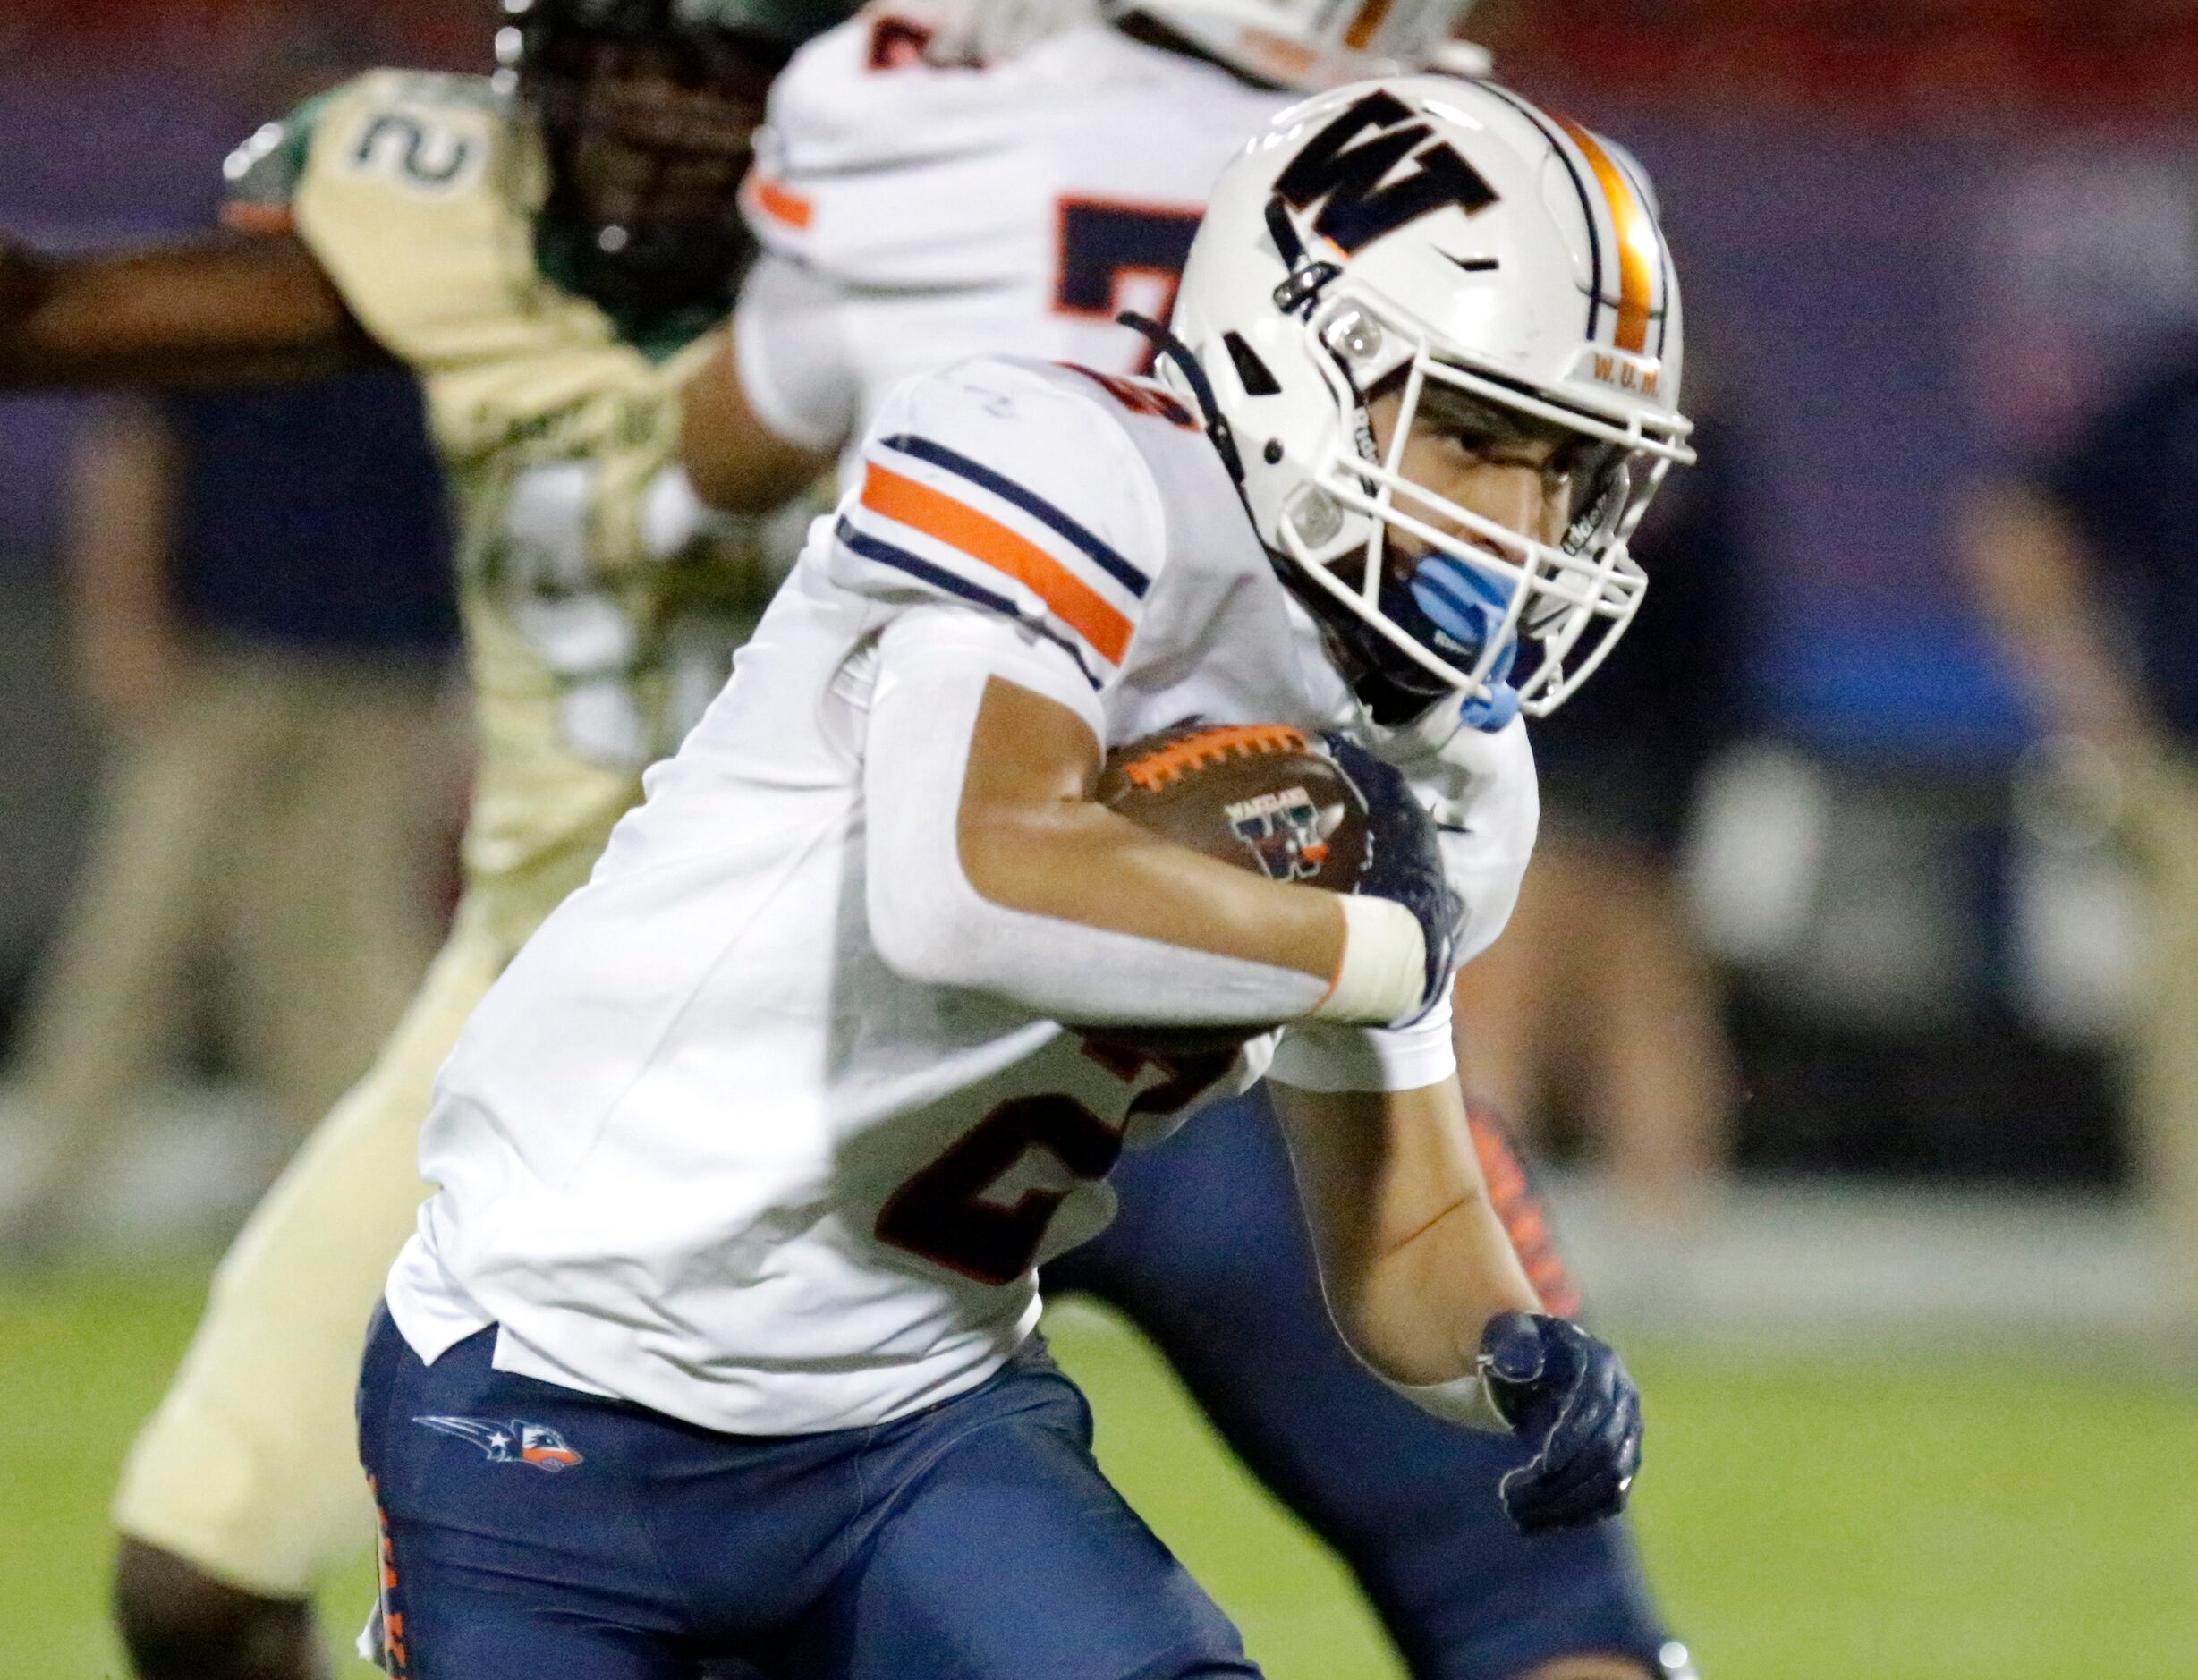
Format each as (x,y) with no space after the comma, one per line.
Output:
(983,727)
(1029,756)
(980,720)
(211,311)
(971,724)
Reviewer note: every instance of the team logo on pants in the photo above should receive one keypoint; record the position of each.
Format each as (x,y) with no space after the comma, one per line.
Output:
(513,1442)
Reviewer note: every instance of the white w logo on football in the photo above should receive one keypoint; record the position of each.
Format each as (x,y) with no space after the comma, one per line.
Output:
(1262,796)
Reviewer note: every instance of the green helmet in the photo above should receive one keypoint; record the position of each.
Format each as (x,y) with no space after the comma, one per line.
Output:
(646,109)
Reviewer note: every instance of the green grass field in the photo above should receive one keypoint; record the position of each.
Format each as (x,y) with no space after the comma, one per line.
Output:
(1804,1520)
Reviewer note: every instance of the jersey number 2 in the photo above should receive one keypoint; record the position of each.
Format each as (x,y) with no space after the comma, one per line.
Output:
(942,1215)
(943,1212)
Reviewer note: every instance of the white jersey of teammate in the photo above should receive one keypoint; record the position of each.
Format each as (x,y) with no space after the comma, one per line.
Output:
(912,215)
(702,1148)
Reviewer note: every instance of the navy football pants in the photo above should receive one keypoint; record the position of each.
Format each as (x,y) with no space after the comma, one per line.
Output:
(1211,1260)
(533,1532)
(1009,1554)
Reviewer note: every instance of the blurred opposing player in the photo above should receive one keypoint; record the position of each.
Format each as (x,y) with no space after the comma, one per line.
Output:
(747,1161)
(2087,568)
(916,207)
(552,267)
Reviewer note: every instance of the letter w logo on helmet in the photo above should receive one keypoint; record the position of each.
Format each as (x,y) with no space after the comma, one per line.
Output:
(1359,208)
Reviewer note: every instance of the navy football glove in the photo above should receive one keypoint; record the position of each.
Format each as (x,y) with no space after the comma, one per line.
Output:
(1569,1394)
(1403,861)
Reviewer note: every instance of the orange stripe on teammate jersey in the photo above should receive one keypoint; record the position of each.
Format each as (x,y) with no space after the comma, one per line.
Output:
(779,204)
(257,218)
(1639,257)
(962,528)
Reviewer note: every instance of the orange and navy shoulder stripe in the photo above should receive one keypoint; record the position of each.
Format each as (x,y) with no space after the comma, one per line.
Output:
(965,529)
(781,203)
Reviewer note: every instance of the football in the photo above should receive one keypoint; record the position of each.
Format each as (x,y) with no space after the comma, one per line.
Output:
(1260,796)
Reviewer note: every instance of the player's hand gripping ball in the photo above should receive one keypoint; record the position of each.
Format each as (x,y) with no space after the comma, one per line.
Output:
(1260,796)
(1570,1396)
(1403,863)
(1324,813)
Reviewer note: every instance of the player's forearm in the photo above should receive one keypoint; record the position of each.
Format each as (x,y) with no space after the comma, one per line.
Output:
(211,312)
(1077,861)
(736,464)
(1060,906)
(1414,1257)
(1078,914)
(990,869)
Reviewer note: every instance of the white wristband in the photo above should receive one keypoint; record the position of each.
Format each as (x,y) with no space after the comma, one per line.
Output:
(1463,1400)
(1384,969)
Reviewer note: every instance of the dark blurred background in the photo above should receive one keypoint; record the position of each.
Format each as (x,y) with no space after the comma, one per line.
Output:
(1854,985)
(1961,227)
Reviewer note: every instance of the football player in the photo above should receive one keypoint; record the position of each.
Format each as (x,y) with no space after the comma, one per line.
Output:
(552,259)
(940,180)
(716,1335)
(747,1160)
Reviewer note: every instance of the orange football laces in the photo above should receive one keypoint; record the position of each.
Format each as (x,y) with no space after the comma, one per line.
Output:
(1156,771)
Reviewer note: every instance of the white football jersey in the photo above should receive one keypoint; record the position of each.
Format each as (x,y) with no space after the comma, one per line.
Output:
(701,1148)
(912,215)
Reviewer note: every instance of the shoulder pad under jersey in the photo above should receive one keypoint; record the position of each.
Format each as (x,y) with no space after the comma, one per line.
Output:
(1011,487)
(885,172)
(261,177)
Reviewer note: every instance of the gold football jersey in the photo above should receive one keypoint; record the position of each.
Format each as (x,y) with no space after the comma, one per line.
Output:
(601,602)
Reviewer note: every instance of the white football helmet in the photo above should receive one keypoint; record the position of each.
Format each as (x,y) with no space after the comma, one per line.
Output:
(1312,44)
(1446,238)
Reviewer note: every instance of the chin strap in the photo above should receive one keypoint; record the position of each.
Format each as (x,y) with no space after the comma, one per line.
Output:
(1168,348)
(1389,695)
(1387,702)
